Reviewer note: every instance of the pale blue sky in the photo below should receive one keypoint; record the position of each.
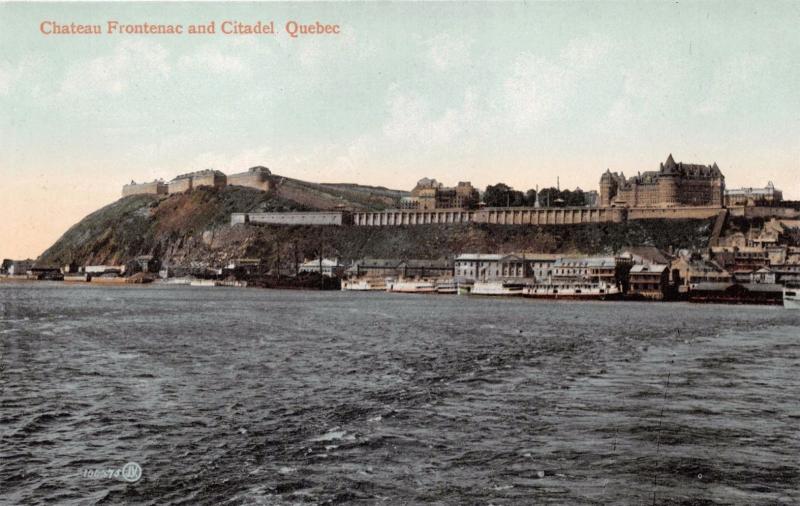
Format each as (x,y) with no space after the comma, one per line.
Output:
(508,92)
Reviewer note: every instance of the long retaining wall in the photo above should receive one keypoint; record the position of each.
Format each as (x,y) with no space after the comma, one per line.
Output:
(764,212)
(413,217)
(500,216)
(494,215)
(293,218)
(672,213)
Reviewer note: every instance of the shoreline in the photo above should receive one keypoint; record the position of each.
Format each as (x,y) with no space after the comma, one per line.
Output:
(4,280)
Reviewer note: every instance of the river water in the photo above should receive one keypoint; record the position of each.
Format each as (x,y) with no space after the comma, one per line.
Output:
(247,396)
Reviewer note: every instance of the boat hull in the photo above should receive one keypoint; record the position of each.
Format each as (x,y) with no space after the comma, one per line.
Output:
(363,286)
(790,298)
(603,292)
(410,287)
(496,289)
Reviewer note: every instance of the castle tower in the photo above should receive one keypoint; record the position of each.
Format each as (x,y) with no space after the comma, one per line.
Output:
(668,183)
(608,189)
(717,186)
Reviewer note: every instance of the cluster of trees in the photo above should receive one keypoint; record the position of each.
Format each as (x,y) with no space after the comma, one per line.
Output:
(502,195)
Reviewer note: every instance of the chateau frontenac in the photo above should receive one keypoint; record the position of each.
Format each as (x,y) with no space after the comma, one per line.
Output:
(673,185)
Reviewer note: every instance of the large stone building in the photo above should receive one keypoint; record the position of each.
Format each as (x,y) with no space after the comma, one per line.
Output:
(673,185)
(753,196)
(431,194)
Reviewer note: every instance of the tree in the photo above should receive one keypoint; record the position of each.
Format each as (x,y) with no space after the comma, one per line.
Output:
(548,197)
(530,198)
(497,195)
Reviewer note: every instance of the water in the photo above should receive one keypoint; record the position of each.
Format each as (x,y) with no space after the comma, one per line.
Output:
(245,396)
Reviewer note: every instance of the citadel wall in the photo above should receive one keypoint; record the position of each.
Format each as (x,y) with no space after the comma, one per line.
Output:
(180,185)
(256,177)
(151,188)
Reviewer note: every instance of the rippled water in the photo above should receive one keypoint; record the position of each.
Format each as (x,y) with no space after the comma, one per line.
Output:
(245,396)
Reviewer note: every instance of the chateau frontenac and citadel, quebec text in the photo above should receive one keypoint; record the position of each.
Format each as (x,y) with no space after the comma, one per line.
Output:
(292,28)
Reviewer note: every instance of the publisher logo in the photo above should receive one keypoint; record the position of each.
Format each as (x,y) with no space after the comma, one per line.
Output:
(130,472)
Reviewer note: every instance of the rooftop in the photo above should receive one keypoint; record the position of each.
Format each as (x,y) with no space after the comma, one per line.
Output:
(652,269)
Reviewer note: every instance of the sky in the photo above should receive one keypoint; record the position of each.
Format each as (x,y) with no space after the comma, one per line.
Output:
(521,93)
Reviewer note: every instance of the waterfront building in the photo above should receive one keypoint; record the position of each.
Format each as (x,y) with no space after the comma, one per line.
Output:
(45,272)
(690,272)
(19,267)
(647,255)
(740,260)
(244,267)
(675,184)
(326,266)
(649,280)
(581,270)
(762,275)
(483,267)
(737,293)
(540,266)
(787,274)
(400,268)
(753,196)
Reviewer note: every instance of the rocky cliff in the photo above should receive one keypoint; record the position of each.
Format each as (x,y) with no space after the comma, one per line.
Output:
(193,228)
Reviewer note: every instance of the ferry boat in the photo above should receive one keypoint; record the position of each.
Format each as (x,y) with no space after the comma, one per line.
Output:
(585,291)
(464,287)
(364,285)
(203,282)
(410,286)
(175,281)
(448,287)
(497,288)
(790,299)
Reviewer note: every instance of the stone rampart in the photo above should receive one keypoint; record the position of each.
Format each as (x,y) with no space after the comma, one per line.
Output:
(335,218)
(151,188)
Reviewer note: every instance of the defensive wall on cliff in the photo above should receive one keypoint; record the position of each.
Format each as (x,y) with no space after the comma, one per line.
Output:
(495,216)
(764,212)
(255,177)
(152,188)
(500,216)
(672,213)
(294,218)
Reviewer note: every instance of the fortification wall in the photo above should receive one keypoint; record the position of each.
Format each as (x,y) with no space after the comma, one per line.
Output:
(250,179)
(412,217)
(764,212)
(293,218)
(151,188)
(500,216)
(212,179)
(495,216)
(672,213)
(548,216)
(180,185)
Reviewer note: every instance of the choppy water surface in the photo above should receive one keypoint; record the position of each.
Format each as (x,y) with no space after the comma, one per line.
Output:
(237,396)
